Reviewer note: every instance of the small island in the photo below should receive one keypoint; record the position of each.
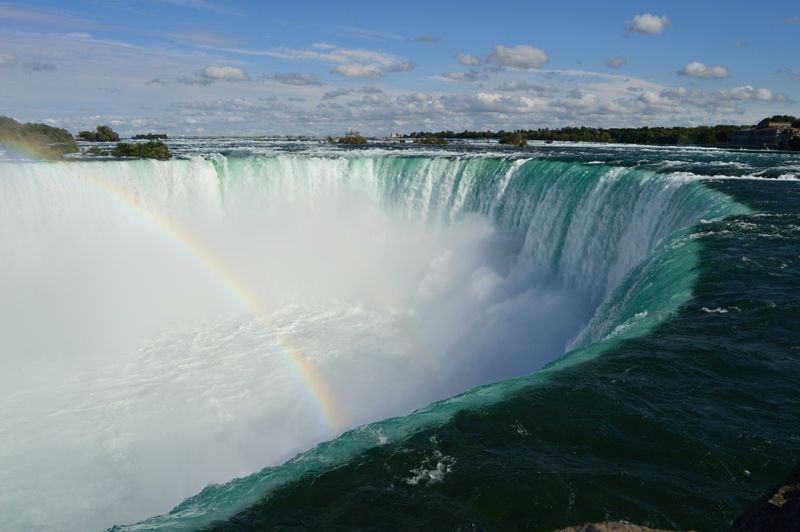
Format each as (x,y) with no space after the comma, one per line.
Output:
(514,139)
(430,139)
(351,137)
(101,134)
(153,149)
(150,136)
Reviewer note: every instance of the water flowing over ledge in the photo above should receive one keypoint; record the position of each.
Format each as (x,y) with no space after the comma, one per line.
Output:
(341,289)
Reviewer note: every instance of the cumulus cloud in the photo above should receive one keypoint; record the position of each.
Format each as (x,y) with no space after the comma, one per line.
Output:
(322,52)
(511,105)
(210,74)
(524,86)
(521,56)
(647,24)
(195,80)
(336,93)
(675,99)
(467,59)
(357,70)
(748,93)
(296,79)
(617,62)
(695,69)
(462,76)
(224,73)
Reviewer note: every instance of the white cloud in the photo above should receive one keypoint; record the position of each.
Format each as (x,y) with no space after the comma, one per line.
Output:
(322,52)
(462,76)
(403,66)
(524,86)
(296,79)
(695,69)
(617,62)
(675,99)
(521,56)
(7,60)
(210,74)
(356,70)
(224,73)
(467,59)
(748,93)
(331,95)
(648,24)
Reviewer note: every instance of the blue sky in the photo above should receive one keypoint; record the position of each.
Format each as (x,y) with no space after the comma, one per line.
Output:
(211,67)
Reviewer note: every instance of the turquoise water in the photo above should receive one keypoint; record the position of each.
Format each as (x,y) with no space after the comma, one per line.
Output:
(598,332)
(676,405)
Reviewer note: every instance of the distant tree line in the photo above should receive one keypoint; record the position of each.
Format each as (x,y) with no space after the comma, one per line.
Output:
(718,135)
(786,118)
(700,136)
(150,136)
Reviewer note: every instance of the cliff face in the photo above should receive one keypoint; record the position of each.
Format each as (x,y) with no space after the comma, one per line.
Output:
(776,511)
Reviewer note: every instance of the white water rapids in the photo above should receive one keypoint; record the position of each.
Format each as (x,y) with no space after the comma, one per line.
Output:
(147,310)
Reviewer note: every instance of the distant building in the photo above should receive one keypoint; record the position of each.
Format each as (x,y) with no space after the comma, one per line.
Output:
(767,134)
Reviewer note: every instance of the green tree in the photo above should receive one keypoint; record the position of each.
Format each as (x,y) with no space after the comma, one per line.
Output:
(154,149)
(101,134)
(43,140)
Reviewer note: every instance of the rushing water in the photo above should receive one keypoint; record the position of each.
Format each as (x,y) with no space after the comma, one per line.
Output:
(170,326)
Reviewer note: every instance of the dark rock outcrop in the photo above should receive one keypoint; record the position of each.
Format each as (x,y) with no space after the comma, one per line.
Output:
(610,526)
(778,510)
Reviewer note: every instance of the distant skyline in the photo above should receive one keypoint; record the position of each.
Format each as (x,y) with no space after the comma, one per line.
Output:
(207,67)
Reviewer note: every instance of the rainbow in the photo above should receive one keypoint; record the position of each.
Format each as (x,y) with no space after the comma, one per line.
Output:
(200,254)
(305,371)
(32,151)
